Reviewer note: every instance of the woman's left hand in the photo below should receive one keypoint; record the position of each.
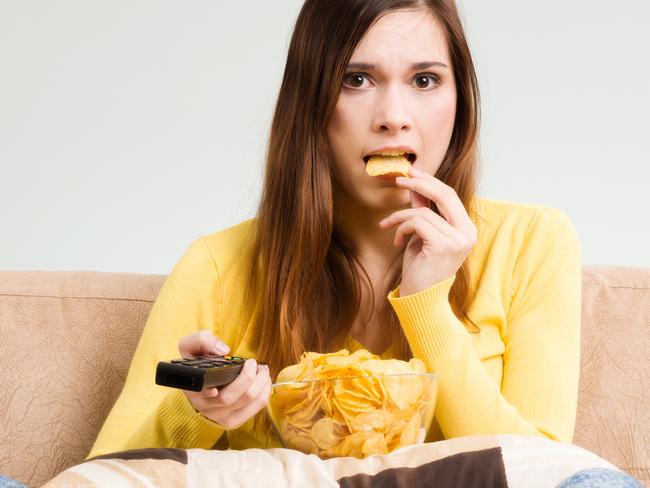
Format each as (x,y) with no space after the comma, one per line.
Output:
(438,246)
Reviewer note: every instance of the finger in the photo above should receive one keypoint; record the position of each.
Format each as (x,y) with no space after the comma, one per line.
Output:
(417,200)
(238,417)
(433,218)
(429,189)
(199,402)
(199,397)
(202,343)
(419,226)
(261,379)
(229,394)
(445,197)
(212,392)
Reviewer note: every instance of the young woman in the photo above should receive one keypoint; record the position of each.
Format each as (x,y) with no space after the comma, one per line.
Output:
(486,292)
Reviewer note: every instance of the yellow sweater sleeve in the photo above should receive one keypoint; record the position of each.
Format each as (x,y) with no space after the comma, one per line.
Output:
(148,415)
(539,389)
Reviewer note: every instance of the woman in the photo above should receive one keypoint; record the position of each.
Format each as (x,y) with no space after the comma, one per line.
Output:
(486,293)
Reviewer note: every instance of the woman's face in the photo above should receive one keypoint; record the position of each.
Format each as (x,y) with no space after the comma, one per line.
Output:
(393,102)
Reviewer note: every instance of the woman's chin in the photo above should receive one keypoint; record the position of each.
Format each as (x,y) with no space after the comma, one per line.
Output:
(384,196)
(386,199)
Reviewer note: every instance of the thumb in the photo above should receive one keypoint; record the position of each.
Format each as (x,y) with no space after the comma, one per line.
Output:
(202,343)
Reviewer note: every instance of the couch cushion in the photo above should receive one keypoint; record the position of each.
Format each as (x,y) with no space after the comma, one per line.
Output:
(497,461)
(614,402)
(67,342)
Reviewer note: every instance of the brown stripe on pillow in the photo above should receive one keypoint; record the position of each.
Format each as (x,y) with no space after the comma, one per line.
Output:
(477,469)
(178,455)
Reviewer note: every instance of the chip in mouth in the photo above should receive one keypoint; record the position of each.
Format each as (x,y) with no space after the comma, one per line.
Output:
(388,165)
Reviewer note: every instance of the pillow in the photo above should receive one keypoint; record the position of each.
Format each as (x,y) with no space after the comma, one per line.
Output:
(499,461)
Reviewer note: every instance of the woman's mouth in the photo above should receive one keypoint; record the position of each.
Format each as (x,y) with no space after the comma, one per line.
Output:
(411,157)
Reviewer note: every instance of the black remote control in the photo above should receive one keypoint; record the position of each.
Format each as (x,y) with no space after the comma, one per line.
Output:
(199,373)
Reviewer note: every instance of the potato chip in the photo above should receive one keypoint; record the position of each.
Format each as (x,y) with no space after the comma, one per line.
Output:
(388,165)
(410,433)
(417,365)
(352,445)
(393,433)
(375,444)
(368,386)
(368,421)
(342,404)
(403,390)
(346,388)
(326,402)
(324,434)
(290,372)
(302,414)
(387,366)
(290,394)
(304,443)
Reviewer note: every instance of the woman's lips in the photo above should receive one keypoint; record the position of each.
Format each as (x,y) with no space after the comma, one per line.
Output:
(390,178)
(412,157)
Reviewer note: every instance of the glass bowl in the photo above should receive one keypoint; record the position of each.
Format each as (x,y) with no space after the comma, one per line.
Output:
(353,416)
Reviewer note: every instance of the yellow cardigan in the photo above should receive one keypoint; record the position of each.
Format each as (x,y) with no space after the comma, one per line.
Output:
(519,375)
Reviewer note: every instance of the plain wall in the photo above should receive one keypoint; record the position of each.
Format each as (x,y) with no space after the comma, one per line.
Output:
(130,128)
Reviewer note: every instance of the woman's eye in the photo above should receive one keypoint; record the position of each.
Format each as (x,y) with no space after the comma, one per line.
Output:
(425,78)
(355,79)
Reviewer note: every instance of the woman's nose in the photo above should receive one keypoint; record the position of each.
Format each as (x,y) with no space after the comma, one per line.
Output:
(391,111)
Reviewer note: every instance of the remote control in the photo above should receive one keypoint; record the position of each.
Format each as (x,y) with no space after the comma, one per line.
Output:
(199,373)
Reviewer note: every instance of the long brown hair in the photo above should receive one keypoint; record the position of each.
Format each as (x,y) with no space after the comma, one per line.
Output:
(304,287)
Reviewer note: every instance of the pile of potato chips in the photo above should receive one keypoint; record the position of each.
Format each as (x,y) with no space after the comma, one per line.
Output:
(363,405)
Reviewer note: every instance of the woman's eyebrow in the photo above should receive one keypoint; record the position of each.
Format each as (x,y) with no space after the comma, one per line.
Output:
(420,65)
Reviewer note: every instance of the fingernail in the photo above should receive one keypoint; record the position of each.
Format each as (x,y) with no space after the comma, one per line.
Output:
(220,348)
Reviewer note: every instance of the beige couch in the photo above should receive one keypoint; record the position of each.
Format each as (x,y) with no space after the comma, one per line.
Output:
(67,339)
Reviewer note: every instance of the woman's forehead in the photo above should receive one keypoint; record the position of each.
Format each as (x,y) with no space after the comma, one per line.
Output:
(413,35)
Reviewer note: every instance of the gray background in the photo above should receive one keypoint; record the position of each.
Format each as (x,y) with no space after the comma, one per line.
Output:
(130,128)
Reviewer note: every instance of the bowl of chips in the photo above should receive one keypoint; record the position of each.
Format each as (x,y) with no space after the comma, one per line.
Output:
(342,404)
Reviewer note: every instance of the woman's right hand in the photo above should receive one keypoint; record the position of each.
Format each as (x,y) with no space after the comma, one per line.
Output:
(235,403)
